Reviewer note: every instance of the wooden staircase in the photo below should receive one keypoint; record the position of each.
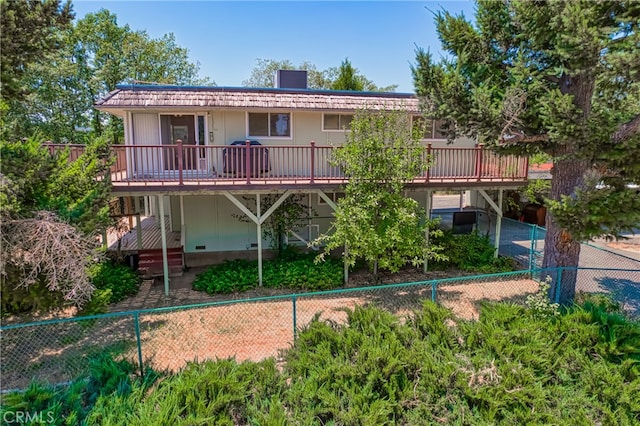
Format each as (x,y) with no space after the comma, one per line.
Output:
(150,262)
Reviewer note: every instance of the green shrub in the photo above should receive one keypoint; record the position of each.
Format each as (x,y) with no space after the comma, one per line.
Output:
(471,252)
(293,270)
(70,404)
(120,279)
(35,298)
(99,303)
(213,393)
(512,366)
(229,277)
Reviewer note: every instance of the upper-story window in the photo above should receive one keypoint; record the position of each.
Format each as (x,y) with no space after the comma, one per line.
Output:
(269,124)
(432,128)
(337,122)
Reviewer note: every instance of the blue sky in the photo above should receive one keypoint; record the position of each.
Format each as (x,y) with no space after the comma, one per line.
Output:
(378,37)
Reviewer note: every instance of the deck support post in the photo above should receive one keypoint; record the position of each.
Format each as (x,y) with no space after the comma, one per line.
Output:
(498,210)
(259,236)
(183,234)
(157,209)
(498,223)
(346,264)
(138,232)
(333,206)
(258,219)
(429,200)
(163,233)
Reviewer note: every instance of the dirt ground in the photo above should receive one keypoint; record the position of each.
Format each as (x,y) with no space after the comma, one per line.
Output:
(235,328)
(632,246)
(254,331)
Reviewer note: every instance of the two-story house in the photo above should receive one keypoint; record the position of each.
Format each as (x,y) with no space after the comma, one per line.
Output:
(201,156)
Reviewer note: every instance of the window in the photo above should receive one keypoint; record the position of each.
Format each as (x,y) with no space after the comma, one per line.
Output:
(338,122)
(270,124)
(432,128)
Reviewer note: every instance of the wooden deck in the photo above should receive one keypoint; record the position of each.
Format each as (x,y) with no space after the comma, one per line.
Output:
(184,168)
(151,236)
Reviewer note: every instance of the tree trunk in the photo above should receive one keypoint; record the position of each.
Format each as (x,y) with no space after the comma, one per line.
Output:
(561,250)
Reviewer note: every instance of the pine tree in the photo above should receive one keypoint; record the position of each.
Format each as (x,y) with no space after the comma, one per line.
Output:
(347,78)
(557,77)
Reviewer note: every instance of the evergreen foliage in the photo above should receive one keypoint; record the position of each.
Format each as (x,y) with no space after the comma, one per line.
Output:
(347,78)
(30,35)
(512,366)
(51,211)
(121,280)
(552,78)
(71,404)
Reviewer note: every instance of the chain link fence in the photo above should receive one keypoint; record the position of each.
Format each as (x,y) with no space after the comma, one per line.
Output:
(525,243)
(59,351)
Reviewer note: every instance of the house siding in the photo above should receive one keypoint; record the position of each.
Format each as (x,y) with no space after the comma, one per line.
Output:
(210,223)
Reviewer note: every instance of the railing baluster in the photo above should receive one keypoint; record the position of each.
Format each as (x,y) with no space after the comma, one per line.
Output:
(164,164)
(180,155)
(479,161)
(247,160)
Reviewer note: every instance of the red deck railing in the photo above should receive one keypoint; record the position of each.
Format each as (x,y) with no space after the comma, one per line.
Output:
(248,164)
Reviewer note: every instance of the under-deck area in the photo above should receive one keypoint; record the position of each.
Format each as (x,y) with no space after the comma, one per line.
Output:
(147,237)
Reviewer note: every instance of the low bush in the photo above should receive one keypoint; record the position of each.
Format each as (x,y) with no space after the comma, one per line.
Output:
(120,279)
(71,404)
(114,282)
(512,366)
(15,299)
(293,270)
(471,252)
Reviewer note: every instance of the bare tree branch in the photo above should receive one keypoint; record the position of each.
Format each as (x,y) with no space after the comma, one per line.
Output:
(627,130)
(522,138)
(45,247)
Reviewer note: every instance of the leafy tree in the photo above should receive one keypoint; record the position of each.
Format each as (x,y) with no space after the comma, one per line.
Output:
(94,55)
(116,54)
(375,220)
(291,213)
(30,34)
(265,70)
(263,74)
(553,77)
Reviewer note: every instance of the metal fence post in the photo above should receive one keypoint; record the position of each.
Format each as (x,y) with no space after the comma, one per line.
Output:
(295,319)
(533,247)
(136,322)
(433,291)
(558,285)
